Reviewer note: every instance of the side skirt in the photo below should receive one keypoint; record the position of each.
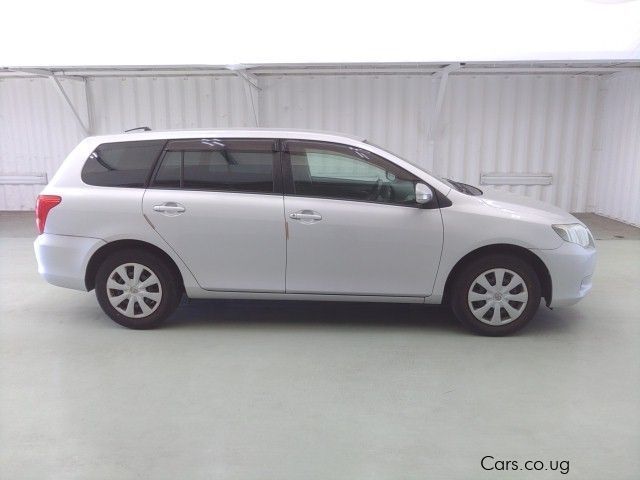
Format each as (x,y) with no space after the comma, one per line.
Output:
(199,293)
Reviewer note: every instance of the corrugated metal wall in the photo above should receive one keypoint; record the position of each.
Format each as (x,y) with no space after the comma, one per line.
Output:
(488,123)
(391,111)
(168,102)
(617,178)
(37,131)
(522,123)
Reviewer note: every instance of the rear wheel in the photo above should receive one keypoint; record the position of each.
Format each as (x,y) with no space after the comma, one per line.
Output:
(496,295)
(136,289)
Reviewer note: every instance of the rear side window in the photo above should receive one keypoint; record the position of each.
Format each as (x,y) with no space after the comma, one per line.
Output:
(238,165)
(123,164)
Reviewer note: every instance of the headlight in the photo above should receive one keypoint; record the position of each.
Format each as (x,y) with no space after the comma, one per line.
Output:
(575,233)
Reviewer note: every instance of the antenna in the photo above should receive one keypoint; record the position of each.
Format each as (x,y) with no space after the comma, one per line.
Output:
(145,129)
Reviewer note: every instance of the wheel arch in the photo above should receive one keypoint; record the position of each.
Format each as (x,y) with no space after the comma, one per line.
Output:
(103,252)
(503,248)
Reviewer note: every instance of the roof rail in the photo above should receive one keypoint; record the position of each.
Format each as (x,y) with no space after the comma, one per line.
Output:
(145,129)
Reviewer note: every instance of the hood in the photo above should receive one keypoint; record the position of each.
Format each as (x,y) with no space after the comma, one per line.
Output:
(525,207)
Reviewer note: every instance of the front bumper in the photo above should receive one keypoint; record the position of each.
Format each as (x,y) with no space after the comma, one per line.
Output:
(63,259)
(571,269)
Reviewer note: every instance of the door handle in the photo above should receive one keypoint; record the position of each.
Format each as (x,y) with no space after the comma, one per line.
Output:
(306,216)
(169,207)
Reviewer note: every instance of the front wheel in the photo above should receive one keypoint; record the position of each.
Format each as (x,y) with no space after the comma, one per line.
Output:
(496,295)
(136,289)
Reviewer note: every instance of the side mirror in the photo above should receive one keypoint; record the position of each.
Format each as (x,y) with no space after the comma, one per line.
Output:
(423,194)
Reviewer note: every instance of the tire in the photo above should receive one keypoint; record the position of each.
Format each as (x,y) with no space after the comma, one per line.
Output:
(496,311)
(155,295)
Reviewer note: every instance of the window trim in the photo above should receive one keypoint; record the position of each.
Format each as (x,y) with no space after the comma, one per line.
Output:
(156,162)
(276,165)
(289,189)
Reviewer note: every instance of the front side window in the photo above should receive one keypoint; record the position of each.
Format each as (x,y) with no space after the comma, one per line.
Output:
(122,164)
(347,173)
(218,165)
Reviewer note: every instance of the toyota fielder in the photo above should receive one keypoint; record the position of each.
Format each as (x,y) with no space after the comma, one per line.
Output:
(143,218)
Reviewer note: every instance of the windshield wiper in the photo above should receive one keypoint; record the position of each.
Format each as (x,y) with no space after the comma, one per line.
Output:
(464,188)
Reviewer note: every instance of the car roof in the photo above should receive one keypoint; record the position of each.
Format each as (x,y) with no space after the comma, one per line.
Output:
(89,144)
(228,133)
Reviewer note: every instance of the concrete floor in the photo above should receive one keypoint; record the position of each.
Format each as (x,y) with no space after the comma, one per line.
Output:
(259,390)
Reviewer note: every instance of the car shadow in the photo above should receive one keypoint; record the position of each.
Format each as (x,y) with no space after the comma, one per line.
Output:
(558,321)
(310,314)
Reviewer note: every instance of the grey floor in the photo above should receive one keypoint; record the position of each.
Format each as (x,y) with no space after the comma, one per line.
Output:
(259,390)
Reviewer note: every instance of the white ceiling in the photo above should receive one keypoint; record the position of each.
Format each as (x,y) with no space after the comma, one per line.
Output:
(121,32)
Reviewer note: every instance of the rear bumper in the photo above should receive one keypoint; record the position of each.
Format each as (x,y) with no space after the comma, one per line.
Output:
(63,259)
(571,268)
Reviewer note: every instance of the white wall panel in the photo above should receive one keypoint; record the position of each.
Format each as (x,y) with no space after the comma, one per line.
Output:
(617,181)
(168,103)
(388,110)
(37,131)
(517,124)
(489,123)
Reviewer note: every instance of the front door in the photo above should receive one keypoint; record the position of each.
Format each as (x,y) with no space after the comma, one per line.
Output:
(354,225)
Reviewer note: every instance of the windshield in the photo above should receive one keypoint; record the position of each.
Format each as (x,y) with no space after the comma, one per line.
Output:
(457,186)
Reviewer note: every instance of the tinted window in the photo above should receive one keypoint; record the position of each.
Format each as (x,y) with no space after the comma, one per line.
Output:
(124,164)
(169,173)
(220,165)
(342,172)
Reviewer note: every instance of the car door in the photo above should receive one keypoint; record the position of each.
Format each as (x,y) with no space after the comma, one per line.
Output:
(354,227)
(218,203)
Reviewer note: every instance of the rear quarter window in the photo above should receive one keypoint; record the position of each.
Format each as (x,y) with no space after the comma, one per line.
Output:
(122,164)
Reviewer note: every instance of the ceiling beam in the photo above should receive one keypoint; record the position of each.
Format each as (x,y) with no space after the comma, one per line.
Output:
(251,90)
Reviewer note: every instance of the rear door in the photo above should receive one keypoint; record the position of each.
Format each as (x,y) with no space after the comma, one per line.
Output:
(354,225)
(219,204)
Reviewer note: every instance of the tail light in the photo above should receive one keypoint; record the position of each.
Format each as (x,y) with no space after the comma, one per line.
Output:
(43,205)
